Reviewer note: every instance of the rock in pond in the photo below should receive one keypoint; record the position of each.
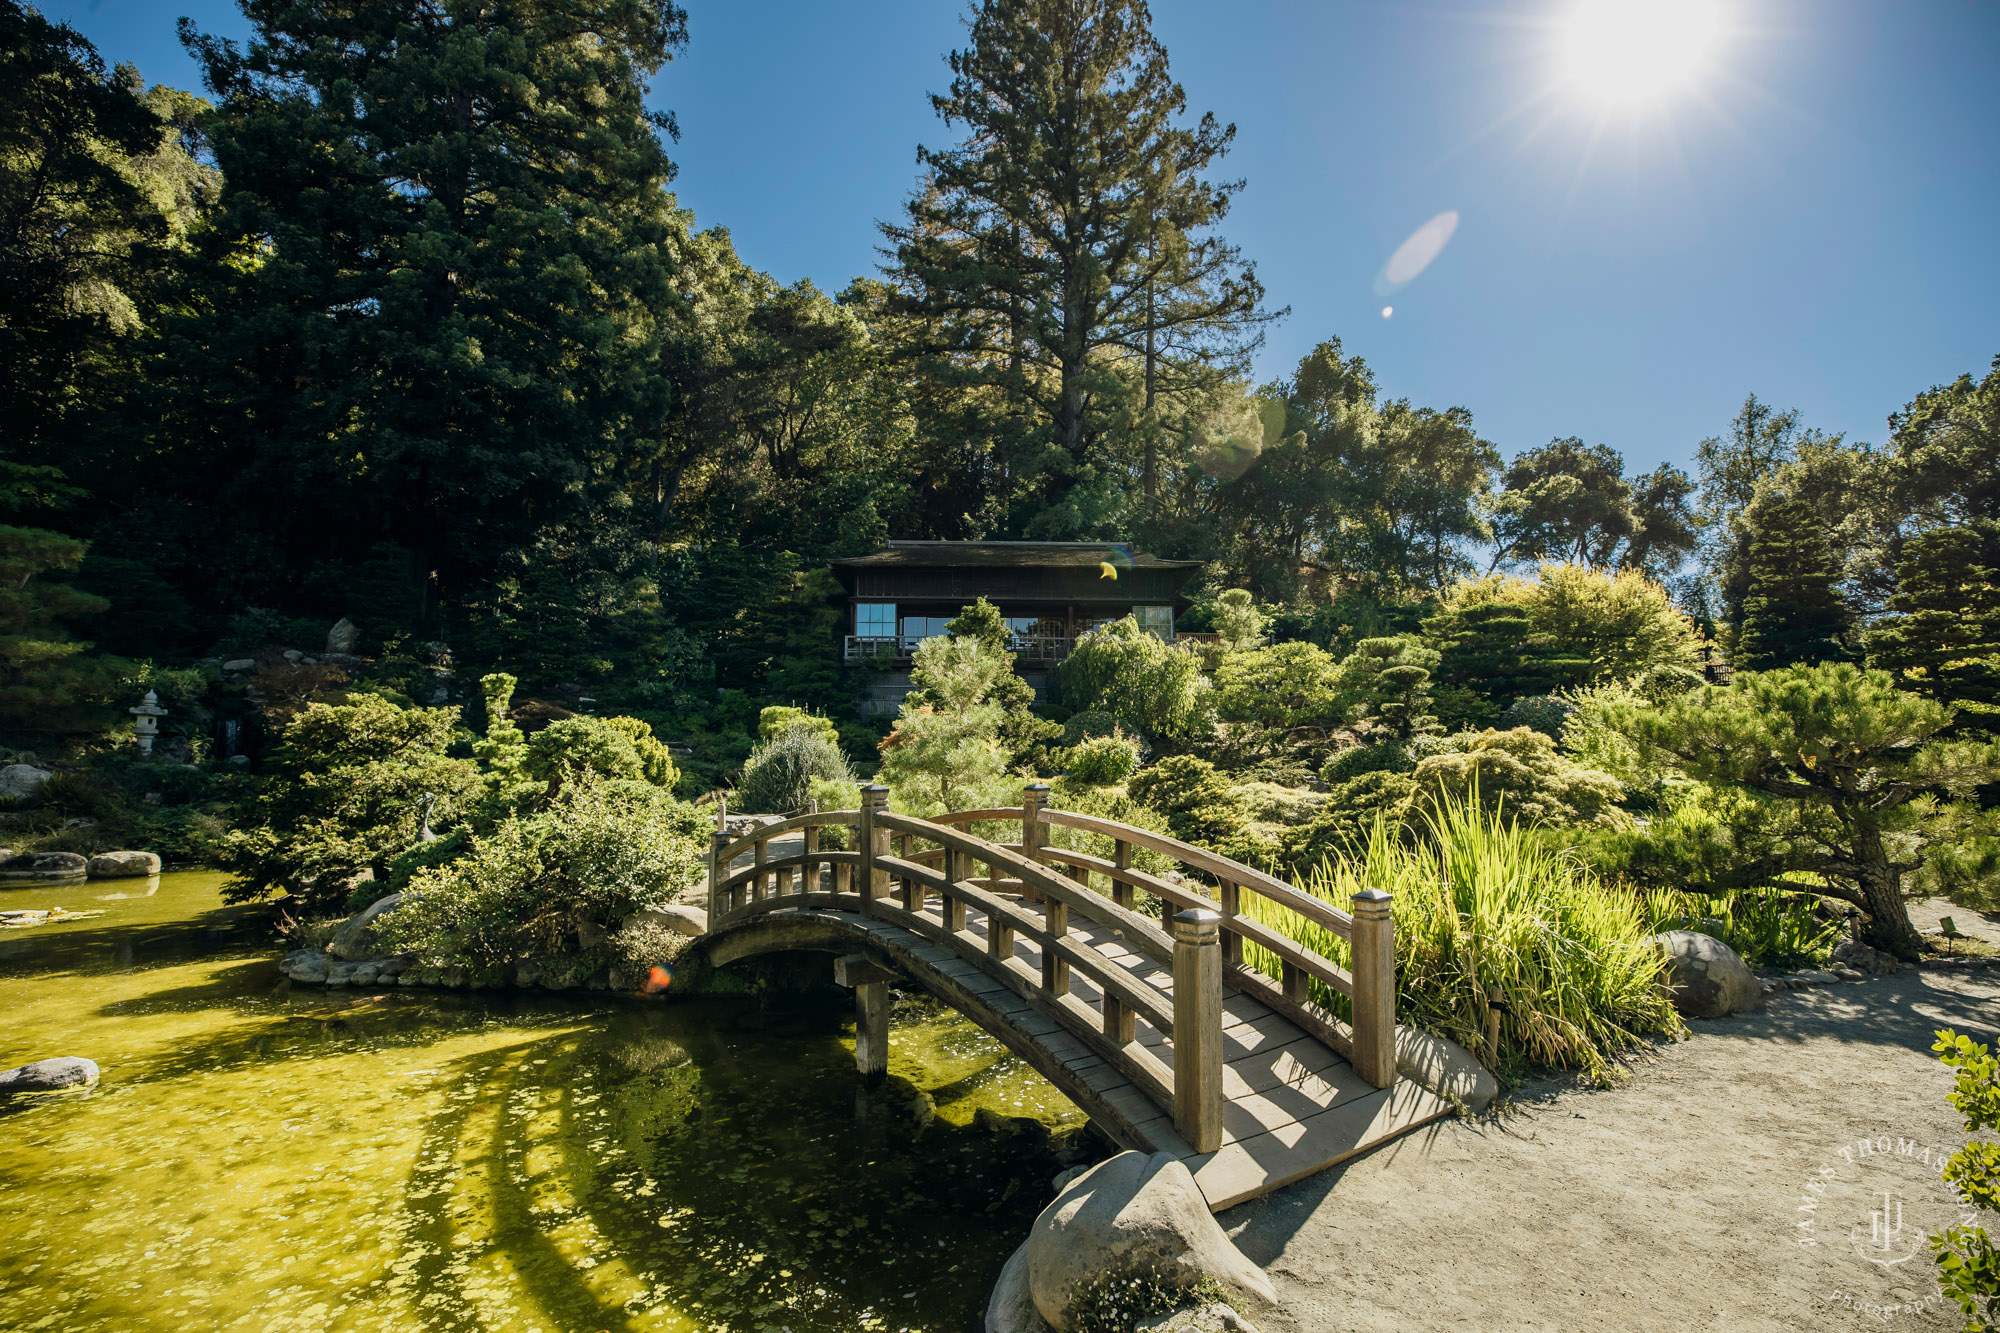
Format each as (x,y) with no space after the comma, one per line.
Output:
(1707,978)
(1135,1211)
(308,966)
(53,1075)
(123,865)
(42,868)
(355,940)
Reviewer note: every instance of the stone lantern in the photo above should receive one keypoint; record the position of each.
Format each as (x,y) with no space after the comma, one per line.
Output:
(146,723)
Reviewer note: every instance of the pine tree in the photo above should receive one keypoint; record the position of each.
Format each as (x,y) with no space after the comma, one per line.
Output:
(1792,611)
(1071,228)
(1942,639)
(435,297)
(1489,657)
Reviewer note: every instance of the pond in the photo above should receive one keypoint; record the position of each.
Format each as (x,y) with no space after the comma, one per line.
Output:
(266,1157)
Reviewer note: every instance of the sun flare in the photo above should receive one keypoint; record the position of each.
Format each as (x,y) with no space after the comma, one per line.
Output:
(1633,53)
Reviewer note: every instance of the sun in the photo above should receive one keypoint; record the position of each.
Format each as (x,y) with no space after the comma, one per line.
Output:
(1630,54)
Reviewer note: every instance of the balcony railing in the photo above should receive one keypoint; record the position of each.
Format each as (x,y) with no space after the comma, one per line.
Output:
(1028,650)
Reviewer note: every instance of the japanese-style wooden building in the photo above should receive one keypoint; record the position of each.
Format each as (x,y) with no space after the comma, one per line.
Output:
(1050,592)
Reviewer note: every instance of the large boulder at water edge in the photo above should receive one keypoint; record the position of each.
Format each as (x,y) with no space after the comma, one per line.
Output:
(123,865)
(53,1075)
(42,868)
(689,921)
(344,637)
(18,781)
(1133,1213)
(356,940)
(1707,978)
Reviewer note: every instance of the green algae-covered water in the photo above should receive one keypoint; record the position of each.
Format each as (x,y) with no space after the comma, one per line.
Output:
(268,1158)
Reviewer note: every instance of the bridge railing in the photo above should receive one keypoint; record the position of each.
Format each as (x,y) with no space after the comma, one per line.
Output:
(1368,1040)
(896,863)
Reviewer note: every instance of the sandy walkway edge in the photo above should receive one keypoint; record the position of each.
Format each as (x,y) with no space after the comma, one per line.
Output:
(1671,1202)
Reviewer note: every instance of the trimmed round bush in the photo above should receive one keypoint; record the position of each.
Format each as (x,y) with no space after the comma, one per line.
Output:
(1102,761)
(778,776)
(1385,757)
(1199,803)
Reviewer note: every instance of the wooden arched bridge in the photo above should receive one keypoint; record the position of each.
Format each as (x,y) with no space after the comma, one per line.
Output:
(1158,1029)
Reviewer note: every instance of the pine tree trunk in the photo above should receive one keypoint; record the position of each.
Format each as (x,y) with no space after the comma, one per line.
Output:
(1887,926)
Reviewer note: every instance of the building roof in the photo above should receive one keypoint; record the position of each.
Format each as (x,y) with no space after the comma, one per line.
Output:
(1009,555)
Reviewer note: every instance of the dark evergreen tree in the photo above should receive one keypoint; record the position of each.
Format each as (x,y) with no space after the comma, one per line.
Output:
(1489,656)
(1793,612)
(1068,234)
(1942,638)
(436,291)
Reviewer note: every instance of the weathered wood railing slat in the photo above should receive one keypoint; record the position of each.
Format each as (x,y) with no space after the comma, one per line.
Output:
(900,862)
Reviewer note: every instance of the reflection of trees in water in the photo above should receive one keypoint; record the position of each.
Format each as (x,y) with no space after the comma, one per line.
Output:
(735,1165)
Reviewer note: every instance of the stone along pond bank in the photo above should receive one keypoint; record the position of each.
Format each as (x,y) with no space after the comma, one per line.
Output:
(518,1160)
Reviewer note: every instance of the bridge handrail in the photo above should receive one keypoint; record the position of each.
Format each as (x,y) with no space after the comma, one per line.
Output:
(812,819)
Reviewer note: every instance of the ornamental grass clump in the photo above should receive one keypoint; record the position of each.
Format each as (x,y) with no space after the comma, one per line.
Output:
(1486,912)
(778,778)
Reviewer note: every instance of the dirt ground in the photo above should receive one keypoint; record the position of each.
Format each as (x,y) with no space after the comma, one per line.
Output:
(1676,1200)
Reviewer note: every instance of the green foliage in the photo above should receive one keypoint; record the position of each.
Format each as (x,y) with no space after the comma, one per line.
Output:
(1017,263)
(1201,805)
(503,751)
(1483,909)
(1150,687)
(1347,818)
(1390,681)
(1767,929)
(1518,772)
(1101,761)
(1357,760)
(780,717)
(1968,1264)
(945,752)
(1489,656)
(1287,687)
(1546,713)
(780,776)
(1792,611)
(1840,771)
(1238,622)
(620,747)
(1115,1302)
(551,885)
(1942,638)
(349,789)
(50,682)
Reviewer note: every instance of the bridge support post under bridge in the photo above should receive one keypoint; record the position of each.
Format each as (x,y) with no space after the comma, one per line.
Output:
(871,1012)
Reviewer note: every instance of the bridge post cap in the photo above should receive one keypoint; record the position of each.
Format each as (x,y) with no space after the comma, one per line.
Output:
(1372,897)
(1197,925)
(1036,786)
(870,788)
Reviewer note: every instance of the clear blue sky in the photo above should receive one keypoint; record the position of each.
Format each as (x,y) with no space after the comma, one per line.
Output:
(1815,217)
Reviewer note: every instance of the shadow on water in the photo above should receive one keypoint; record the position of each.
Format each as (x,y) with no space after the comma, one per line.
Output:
(463,1162)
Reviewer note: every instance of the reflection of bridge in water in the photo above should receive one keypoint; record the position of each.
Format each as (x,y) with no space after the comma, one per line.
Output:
(1160,1031)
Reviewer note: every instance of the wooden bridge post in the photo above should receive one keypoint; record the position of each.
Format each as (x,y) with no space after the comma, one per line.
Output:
(1198,1028)
(874,843)
(717,872)
(1375,987)
(1034,833)
(871,1012)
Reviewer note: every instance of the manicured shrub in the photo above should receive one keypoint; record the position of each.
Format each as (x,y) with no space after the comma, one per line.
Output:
(553,885)
(778,777)
(1520,772)
(1150,687)
(1348,817)
(778,717)
(348,791)
(1286,687)
(611,747)
(1358,760)
(1199,804)
(1101,761)
(946,753)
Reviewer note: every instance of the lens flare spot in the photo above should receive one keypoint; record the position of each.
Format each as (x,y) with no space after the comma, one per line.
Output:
(1425,244)
(1387,311)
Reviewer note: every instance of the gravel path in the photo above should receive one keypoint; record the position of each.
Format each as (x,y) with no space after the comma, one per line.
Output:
(1670,1202)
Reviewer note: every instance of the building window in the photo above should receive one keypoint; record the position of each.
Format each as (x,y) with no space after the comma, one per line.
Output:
(918,628)
(875,620)
(1156,620)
